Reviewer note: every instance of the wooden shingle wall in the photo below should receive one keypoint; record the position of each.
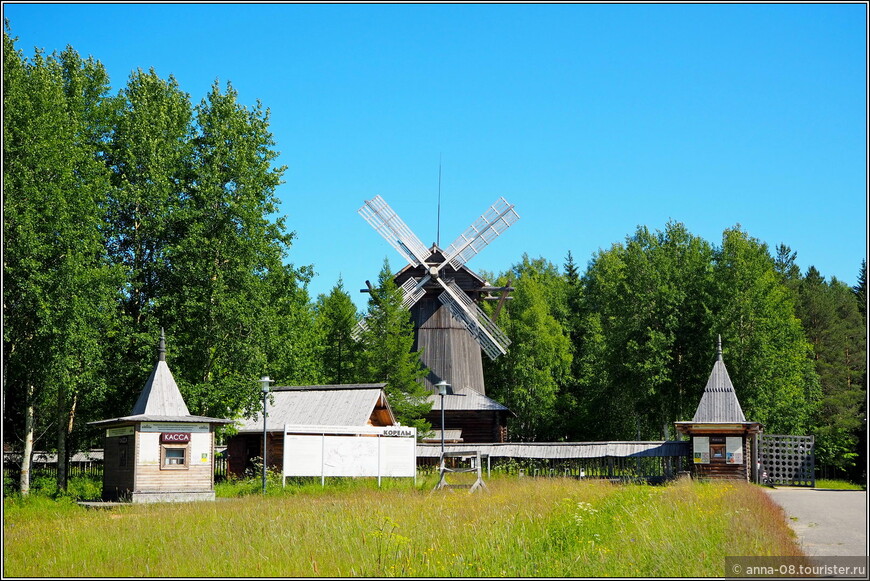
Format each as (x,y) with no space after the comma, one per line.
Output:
(449,350)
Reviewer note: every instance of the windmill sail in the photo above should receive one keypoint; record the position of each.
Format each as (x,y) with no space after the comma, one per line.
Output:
(484,230)
(412,291)
(491,339)
(360,328)
(388,224)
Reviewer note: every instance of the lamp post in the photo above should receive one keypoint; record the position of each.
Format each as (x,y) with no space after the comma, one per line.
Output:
(442,391)
(264,386)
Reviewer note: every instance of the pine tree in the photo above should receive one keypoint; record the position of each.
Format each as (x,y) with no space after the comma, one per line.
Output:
(387,356)
(336,320)
(835,329)
(861,289)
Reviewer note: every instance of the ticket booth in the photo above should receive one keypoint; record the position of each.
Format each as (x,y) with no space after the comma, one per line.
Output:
(724,444)
(160,452)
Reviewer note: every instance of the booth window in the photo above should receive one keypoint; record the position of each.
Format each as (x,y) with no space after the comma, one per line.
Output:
(717,452)
(173,457)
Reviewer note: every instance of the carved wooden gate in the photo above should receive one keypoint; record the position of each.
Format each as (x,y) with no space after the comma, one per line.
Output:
(787,460)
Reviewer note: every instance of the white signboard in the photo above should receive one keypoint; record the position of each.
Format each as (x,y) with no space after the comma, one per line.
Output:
(303,455)
(344,451)
(398,457)
(701,449)
(173,427)
(734,450)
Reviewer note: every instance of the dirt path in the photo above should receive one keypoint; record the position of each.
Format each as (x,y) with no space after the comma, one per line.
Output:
(827,522)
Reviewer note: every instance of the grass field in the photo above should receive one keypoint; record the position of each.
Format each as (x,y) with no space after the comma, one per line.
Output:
(523,527)
(839,485)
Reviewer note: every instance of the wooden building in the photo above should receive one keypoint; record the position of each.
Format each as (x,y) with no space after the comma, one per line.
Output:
(452,354)
(347,405)
(160,452)
(724,444)
(469,417)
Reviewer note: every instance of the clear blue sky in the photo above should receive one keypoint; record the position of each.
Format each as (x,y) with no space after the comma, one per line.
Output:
(591,119)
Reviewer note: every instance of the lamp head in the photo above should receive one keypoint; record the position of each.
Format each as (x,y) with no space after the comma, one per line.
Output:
(264,383)
(442,387)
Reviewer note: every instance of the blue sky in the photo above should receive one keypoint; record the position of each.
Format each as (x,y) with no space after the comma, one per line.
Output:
(591,119)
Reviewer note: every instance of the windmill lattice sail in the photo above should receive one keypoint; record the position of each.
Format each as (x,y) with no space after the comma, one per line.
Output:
(491,339)
(484,230)
(388,224)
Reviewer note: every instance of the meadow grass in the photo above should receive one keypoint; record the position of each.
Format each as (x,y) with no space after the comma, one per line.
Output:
(839,485)
(521,527)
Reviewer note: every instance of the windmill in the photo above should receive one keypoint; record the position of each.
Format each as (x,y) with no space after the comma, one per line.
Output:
(441,294)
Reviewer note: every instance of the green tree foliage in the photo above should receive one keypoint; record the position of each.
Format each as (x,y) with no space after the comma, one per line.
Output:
(645,344)
(228,298)
(336,318)
(836,330)
(529,377)
(387,343)
(764,344)
(148,153)
(58,287)
(861,290)
(127,213)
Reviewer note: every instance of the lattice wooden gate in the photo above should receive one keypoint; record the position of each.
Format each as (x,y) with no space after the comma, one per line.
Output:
(787,460)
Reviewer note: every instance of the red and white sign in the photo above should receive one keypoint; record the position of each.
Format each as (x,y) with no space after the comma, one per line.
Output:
(174,437)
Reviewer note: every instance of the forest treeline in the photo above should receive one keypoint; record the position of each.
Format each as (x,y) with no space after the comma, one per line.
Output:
(130,211)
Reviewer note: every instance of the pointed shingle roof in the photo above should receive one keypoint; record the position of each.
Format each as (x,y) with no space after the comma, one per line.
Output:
(161,400)
(719,403)
(160,396)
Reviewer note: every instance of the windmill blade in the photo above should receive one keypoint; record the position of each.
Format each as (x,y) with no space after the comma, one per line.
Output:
(485,229)
(491,339)
(413,291)
(388,224)
(361,327)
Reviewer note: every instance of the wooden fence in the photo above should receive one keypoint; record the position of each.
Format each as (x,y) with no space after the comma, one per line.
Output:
(630,461)
(81,464)
(636,461)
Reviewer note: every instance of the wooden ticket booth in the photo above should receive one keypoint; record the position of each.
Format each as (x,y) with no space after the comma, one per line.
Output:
(724,444)
(160,452)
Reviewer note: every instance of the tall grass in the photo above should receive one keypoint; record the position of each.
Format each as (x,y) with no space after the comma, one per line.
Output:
(839,484)
(519,527)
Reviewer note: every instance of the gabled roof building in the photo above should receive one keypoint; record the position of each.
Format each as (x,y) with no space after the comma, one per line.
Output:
(329,406)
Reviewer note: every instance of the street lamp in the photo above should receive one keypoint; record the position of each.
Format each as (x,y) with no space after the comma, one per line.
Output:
(442,391)
(264,386)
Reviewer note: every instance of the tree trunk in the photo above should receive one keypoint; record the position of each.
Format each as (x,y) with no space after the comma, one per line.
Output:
(63,426)
(27,453)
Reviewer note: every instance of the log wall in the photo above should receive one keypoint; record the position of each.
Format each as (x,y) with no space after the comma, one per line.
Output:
(478,427)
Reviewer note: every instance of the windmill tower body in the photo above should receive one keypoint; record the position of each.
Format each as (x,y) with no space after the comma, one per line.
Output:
(449,351)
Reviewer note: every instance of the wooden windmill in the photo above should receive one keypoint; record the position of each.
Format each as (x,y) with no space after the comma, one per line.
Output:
(442,294)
